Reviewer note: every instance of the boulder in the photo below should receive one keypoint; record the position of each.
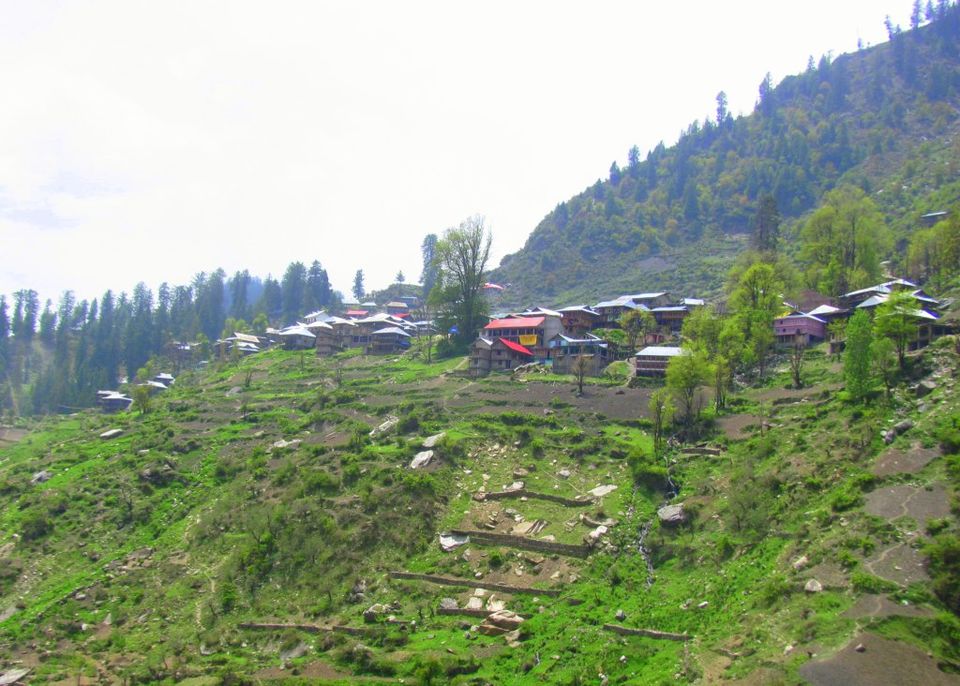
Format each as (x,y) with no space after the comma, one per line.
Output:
(372,613)
(903,426)
(450,541)
(112,433)
(800,562)
(474,603)
(432,441)
(41,477)
(621,615)
(601,491)
(813,586)
(505,619)
(281,444)
(385,427)
(925,387)
(448,604)
(421,459)
(672,514)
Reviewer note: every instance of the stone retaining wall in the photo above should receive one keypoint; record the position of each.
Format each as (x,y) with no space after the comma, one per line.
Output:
(648,633)
(522,492)
(524,543)
(470,583)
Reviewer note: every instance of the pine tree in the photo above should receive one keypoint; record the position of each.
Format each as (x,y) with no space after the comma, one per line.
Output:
(358,285)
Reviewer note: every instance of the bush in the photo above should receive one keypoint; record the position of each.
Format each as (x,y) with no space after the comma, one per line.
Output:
(35,525)
(320,482)
(867,583)
(944,559)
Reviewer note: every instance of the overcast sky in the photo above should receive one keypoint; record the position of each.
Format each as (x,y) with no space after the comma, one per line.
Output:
(150,141)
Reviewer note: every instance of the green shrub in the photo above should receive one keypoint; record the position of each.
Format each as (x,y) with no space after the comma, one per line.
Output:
(944,560)
(867,583)
(35,525)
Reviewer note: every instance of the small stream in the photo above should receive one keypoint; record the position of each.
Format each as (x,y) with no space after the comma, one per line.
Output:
(672,491)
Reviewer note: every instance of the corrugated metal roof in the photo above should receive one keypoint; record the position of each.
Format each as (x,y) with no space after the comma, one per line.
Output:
(516,323)
(660,351)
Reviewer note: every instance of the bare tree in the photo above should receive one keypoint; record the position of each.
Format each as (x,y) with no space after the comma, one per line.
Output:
(579,368)
(796,362)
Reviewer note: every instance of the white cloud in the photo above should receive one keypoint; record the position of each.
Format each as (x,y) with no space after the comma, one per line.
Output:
(149,141)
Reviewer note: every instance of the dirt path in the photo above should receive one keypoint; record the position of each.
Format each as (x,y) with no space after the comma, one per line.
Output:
(881,662)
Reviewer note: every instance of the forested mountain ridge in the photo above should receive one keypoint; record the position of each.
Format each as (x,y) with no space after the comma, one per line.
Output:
(884,119)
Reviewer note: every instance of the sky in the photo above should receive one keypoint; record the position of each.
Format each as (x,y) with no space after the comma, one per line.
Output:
(149,141)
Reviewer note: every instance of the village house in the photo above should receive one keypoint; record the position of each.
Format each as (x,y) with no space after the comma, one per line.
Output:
(653,360)
(391,339)
(670,317)
(164,378)
(579,319)
(497,355)
(875,294)
(398,308)
(564,351)
(113,401)
(801,328)
(531,332)
(297,338)
(326,341)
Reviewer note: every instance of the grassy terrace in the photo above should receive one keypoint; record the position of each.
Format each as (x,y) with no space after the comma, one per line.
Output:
(140,557)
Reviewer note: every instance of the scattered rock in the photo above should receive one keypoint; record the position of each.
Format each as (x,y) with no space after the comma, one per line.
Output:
(504,619)
(385,427)
(925,387)
(671,514)
(14,676)
(800,562)
(450,541)
(813,586)
(594,536)
(281,444)
(432,441)
(474,603)
(520,473)
(903,426)
(860,648)
(621,615)
(703,605)
(372,613)
(448,604)
(41,477)
(112,433)
(564,473)
(601,491)
(421,459)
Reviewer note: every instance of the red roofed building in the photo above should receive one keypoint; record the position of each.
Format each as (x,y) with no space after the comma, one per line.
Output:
(497,355)
(532,333)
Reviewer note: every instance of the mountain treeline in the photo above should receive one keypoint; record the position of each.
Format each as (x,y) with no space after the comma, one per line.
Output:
(883,119)
(57,357)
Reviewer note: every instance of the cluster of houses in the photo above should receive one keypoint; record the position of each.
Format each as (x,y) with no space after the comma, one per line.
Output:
(564,337)
(115,401)
(810,324)
(560,338)
(379,330)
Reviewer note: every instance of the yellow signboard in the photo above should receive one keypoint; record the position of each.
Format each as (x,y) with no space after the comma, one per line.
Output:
(529,339)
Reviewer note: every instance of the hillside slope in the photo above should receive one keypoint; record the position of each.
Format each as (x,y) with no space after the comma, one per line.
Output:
(885,118)
(249,527)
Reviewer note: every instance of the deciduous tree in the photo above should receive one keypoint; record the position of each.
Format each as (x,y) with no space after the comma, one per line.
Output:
(462,255)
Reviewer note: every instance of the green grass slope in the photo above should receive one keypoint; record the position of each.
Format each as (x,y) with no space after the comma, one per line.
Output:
(246,529)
